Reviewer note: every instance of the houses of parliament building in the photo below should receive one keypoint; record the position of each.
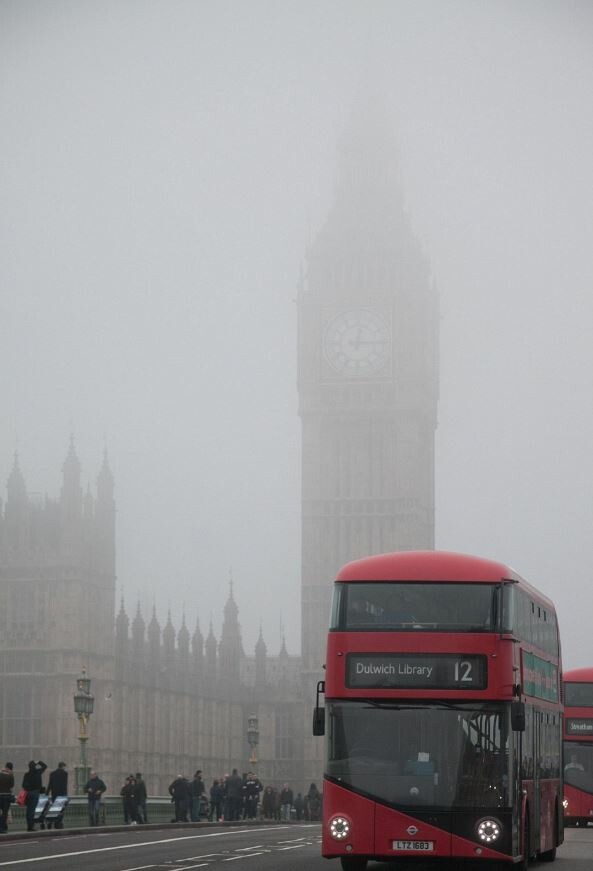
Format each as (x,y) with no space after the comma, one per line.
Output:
(168,700)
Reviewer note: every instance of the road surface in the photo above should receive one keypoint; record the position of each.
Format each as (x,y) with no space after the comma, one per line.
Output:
(263,848)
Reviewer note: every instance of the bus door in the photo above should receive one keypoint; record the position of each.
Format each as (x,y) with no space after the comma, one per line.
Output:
(530,774)
(536,810)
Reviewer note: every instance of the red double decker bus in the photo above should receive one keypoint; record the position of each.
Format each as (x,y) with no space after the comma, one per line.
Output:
(578,747)
(442,713)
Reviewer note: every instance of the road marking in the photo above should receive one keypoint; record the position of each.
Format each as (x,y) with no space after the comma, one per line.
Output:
(139,868)
(295,847)
(141,844)
(292,841)
(247,856)
(242,849)
(203,856)
(187,867)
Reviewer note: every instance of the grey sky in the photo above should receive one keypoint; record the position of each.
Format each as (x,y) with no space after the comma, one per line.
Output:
(163,166)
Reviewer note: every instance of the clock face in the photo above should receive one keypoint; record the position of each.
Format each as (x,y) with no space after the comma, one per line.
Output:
(357,342)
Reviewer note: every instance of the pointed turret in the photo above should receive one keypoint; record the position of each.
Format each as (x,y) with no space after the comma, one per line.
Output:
(260,660)
(169,640)
(183,645)
(230,649)
(121,640)
(197,646)
(16,514)
(154,638)
(71,489)
(138,633)
(71,506)
(122,622)
(211,653)
(105,481)
(17,491)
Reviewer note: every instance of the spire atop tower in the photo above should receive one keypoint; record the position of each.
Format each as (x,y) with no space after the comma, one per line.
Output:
(183,635)
(169,637)
(138,626)
(71,498)
(17,491)
(105,479)
(71,467)
(121,621)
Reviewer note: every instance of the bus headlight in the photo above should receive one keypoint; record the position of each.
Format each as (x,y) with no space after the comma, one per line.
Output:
(565,803)
(488,830)
(339,828)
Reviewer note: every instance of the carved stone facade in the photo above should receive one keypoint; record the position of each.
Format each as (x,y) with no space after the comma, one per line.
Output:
(165,702)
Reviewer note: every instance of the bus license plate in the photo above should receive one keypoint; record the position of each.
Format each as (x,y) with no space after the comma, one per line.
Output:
(414,846)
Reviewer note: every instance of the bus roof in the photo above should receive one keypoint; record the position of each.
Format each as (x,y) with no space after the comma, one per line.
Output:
(434,565)
(578,675)
(428,565)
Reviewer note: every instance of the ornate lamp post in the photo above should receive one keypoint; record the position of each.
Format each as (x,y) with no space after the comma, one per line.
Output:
(253,737)
(84,703)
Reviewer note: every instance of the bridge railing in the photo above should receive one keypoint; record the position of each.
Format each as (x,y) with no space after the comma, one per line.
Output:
(159,809)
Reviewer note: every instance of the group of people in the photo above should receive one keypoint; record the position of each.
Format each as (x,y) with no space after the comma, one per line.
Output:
(278,804)
(32,787)
(236,797)
(232,797)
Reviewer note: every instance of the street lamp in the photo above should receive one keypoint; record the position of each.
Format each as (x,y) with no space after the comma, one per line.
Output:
(84,703)
(253,737)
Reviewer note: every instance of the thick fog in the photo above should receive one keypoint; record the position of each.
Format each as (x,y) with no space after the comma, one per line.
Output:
(164,166)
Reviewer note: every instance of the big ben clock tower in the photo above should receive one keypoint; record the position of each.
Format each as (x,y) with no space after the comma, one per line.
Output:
(368,381)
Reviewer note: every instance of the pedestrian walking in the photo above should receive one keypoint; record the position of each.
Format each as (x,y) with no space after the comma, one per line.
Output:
(299,806)
(180,794)
(285,802)
(6,788)
(197,791)
(313,803)
(141,797)
(234,790)
(58,782)
(252,788)
(216,800)
(268,803)
(32,782)
(94,789)
(129,799)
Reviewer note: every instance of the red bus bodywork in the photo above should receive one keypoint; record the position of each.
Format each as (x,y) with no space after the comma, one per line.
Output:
(578,743)
(375,827)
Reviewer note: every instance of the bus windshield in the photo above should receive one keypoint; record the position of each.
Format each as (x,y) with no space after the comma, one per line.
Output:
(578,765)
(421,754)
(442,607)
(578,695)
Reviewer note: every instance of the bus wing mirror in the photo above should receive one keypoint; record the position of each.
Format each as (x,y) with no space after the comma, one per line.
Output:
(319,721)
(518,716)
(319,712)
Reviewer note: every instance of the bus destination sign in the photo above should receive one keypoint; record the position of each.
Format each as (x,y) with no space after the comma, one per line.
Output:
(579,726)
(441,671)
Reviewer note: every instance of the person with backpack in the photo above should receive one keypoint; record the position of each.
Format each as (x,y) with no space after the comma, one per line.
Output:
(32,783)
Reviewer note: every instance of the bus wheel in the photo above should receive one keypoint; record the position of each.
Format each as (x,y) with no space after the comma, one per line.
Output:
(353,863)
